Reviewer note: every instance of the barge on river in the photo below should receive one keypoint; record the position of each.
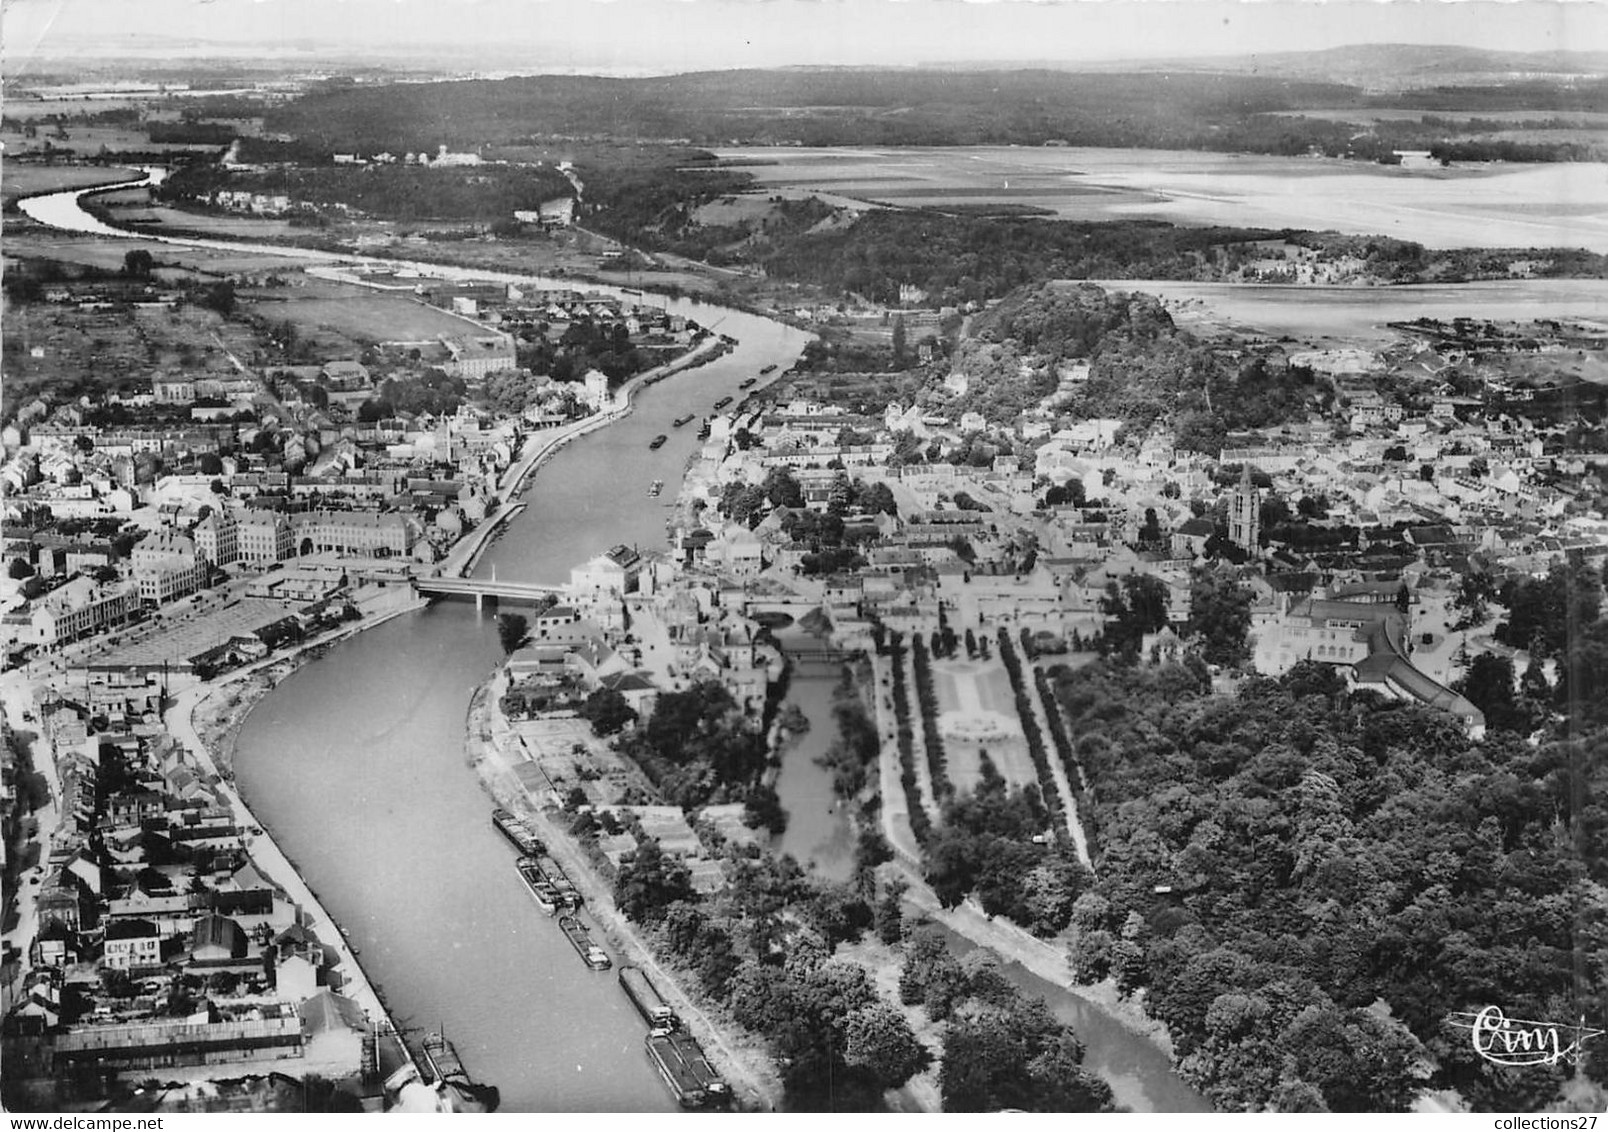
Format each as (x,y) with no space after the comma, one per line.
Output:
(679,421)
(681,1062)
(568,895)
(658,441)
(517,832)
(646,998)
(581,939)
(722,403)
(541,890)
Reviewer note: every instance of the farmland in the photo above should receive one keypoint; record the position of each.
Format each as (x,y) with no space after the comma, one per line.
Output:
(349,315)
(1477,206)
(1360,314)
(25,180)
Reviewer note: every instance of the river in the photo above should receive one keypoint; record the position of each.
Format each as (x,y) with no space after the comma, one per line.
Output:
(357,765)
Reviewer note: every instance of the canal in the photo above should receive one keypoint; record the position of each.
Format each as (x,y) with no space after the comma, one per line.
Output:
(357,764)
(819,833)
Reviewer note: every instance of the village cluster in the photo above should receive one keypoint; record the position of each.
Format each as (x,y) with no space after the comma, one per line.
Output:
(158,539)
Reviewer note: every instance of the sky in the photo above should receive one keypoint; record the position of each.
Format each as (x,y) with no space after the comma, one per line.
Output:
(671,35)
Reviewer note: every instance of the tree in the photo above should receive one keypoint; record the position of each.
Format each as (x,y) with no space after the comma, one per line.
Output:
(137,264)
(782,489)
(649,883)
(1474,592)
(889,911)
(1220,613)
(210,464)
(607,708)
(901,356)
(19,569)
(1489,686)
(511,629)
(762,809)
(220,296)
(878,1041)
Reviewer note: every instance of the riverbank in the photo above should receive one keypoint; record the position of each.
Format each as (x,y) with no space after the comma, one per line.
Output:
(221,711)
(493,752)
(214,753)
(461,560)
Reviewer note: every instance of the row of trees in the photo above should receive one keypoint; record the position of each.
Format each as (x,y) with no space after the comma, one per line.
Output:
(920,822)
(931,736)
(1035,739)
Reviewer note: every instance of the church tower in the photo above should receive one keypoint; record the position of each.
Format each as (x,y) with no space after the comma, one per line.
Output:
(1244,514)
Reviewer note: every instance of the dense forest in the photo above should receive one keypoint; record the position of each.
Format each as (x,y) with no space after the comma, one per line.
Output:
(1165,110)
(1305,883)
(958,259)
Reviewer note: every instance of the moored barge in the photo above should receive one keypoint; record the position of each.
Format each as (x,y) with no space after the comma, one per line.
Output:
(569,896)
(581,939)
(681,1062)
(541,890)
(517,832)
(646,998)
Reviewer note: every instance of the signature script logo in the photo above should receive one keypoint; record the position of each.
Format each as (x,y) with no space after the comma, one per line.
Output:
(1513,1041)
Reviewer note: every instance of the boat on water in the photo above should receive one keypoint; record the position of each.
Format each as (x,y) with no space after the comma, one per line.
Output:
(681,1062)
(581,939)
(517,832)
(703,433)
(768,369)
(655,489)
(658,441)
(541,890)
(456,1090)
(679,421)
(661,1019)
(748,384)
(568,895)
(722,403)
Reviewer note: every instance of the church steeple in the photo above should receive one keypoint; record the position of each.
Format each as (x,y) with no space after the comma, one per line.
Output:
(1245,513)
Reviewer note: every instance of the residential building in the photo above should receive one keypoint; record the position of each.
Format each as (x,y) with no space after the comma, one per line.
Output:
(264,536)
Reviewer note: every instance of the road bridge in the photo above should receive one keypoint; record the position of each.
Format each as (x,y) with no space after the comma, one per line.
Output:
(482,588)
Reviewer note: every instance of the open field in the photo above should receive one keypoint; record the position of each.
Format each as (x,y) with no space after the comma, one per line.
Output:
(318,307)
(1584,119)
(90,141)
(24,180)
(161,219)
(970,693)
(26,239)
(1476,206)
(1359,314)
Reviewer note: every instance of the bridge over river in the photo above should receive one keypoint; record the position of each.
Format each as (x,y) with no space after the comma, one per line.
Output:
(482,588)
